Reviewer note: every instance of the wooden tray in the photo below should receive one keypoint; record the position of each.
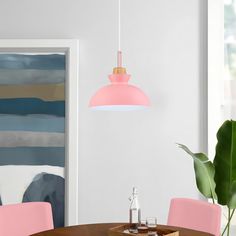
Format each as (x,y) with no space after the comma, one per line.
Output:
(120,231)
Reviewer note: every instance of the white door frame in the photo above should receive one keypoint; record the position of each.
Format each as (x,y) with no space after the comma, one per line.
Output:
(70,47)
(215,70)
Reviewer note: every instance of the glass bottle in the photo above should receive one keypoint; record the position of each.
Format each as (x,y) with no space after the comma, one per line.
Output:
(134,212)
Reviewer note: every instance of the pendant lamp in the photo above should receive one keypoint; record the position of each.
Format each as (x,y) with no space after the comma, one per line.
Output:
(119,95)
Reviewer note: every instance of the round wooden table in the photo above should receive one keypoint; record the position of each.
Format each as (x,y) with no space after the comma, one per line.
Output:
(102,230)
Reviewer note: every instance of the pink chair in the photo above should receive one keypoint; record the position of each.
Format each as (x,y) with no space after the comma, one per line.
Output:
(24,219)
(195,214)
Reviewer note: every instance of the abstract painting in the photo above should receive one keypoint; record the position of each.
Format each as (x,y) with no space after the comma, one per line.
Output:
(32,129)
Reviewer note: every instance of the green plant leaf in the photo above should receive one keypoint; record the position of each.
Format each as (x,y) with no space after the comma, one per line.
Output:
(204,173)
(225,164)
(233,197)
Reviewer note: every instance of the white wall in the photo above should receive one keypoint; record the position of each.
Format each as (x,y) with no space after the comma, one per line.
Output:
(163,44)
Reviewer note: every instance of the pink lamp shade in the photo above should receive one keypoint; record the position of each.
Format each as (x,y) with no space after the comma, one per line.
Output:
(119,95)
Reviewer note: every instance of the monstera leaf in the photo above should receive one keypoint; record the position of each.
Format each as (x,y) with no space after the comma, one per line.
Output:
(204,173)
(225,164)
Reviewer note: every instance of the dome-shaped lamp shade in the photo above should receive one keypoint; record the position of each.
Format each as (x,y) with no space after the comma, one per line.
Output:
(119,95)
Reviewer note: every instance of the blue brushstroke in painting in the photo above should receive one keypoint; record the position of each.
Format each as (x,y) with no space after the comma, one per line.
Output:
(36,123)
(24,106)
(39,62)
(53,156)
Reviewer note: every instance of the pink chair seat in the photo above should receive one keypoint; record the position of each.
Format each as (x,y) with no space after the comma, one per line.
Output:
(195,214)
(25,219)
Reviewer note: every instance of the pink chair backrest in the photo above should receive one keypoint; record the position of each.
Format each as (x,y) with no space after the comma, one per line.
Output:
(24,219)
(195,214)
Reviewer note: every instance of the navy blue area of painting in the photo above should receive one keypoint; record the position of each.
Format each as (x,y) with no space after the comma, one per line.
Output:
(25,106)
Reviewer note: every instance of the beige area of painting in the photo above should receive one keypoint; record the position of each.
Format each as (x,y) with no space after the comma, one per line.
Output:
(47,92)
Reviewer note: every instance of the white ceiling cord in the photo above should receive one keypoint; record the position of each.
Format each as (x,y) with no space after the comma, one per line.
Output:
(119,54)
(119,32)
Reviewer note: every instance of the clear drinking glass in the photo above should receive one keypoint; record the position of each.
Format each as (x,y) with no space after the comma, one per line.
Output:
(142,227)
(151,223)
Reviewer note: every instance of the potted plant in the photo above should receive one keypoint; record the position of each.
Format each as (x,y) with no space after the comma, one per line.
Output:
(217,180)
